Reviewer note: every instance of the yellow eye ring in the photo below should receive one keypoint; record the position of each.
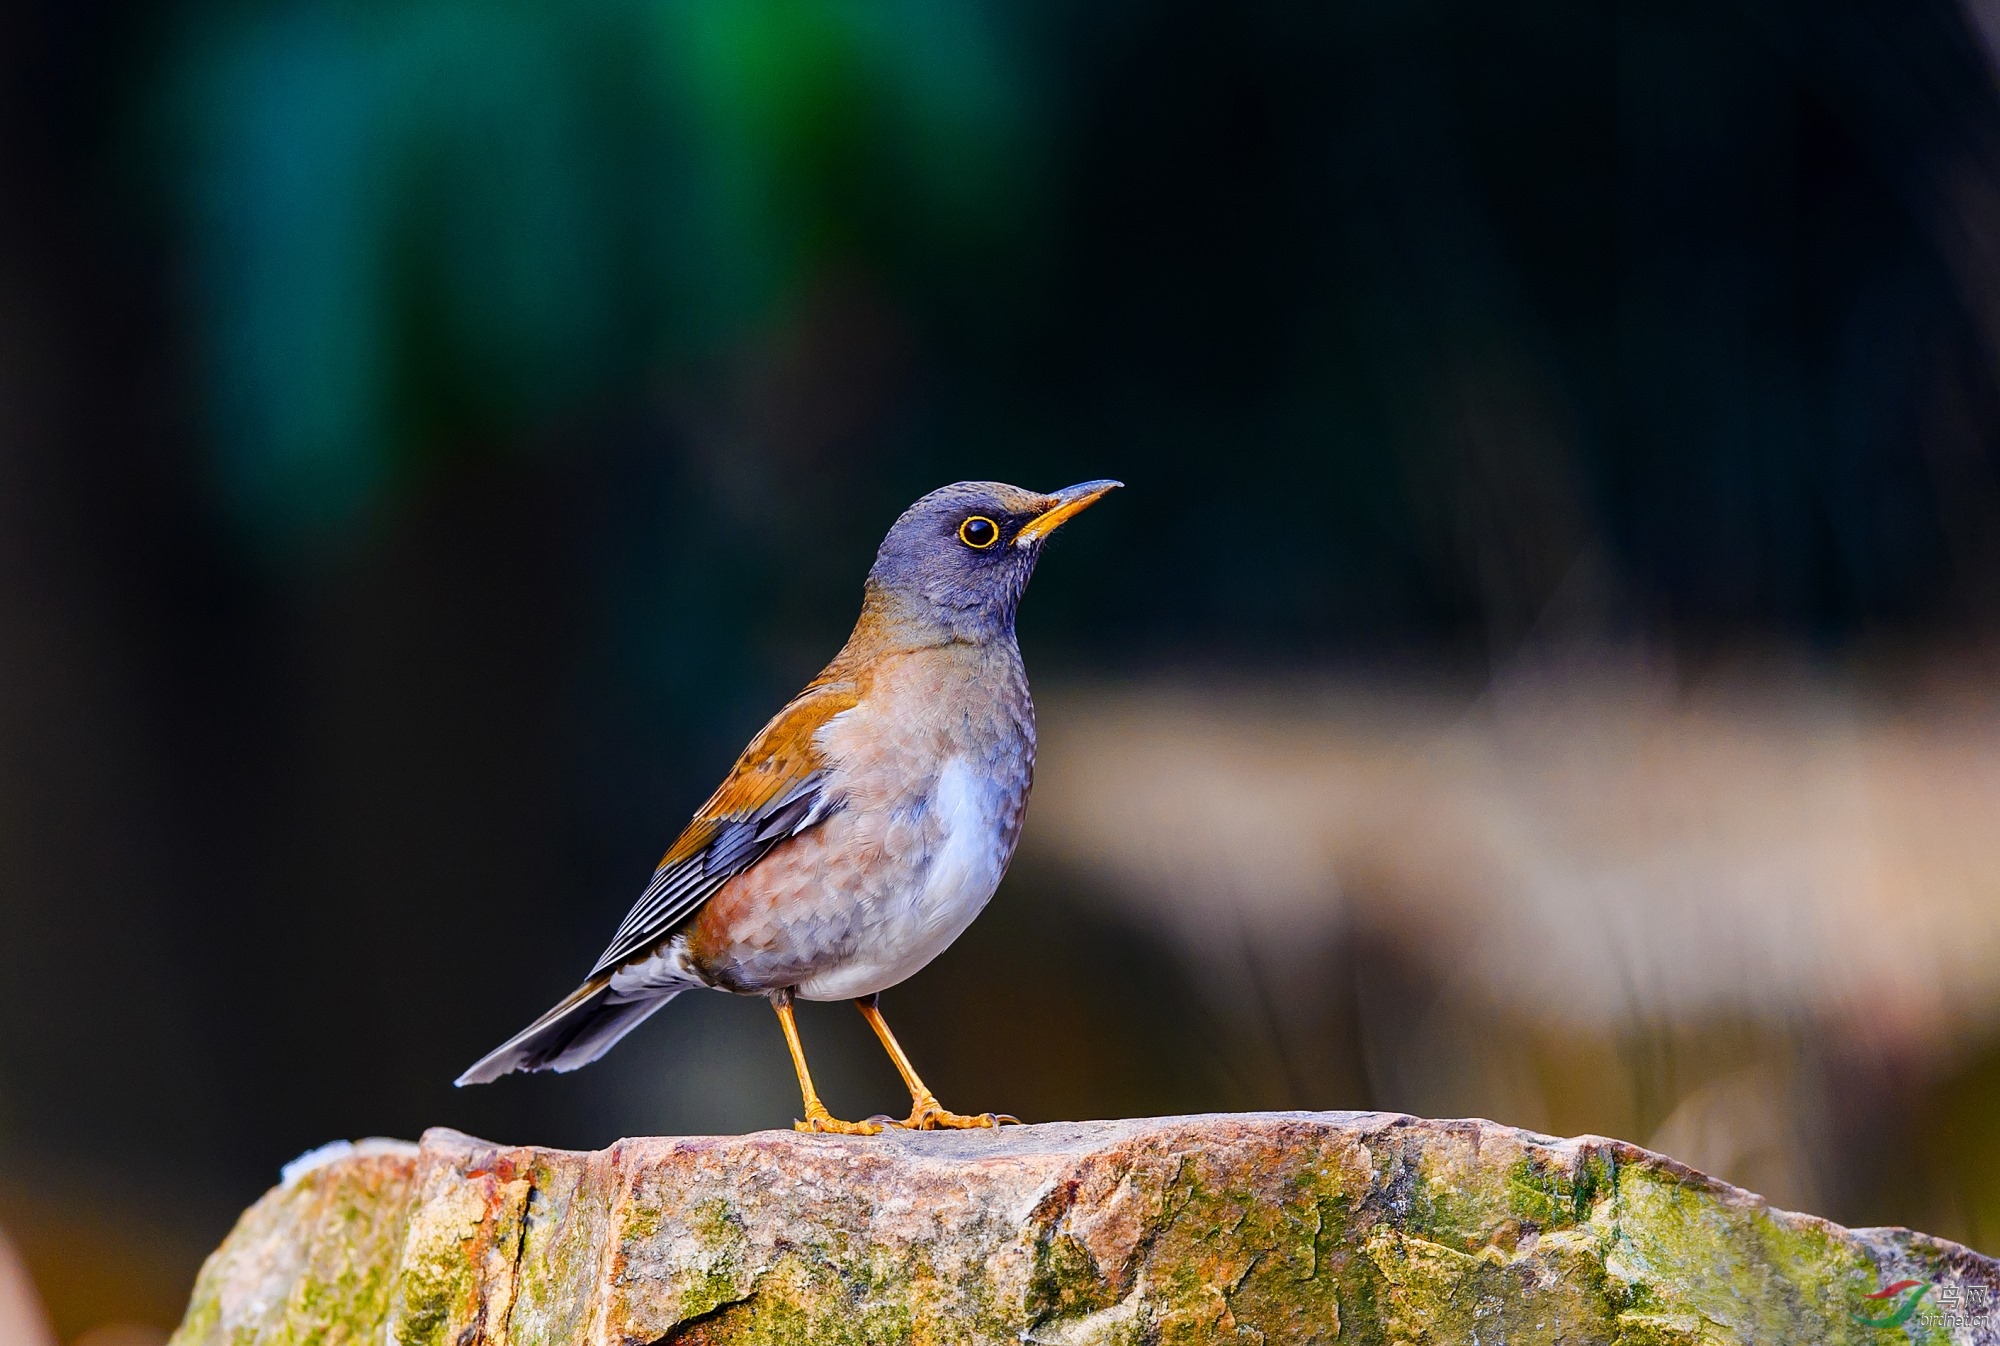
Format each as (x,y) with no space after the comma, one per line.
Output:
(979,532)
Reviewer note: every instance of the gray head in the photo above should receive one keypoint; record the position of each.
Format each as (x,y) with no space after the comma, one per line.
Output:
(958,559)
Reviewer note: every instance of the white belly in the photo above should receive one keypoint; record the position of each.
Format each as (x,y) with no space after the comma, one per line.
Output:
(968,852)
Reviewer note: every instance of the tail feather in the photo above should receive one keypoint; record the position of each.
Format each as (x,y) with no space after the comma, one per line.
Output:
(584,1026)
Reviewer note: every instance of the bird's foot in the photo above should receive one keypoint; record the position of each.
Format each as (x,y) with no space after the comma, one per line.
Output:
(928,1115)
(821,1121)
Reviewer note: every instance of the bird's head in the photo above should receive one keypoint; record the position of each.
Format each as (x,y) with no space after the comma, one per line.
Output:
(955,564)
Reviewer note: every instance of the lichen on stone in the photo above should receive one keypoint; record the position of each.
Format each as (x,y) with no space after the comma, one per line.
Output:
(1349,1229)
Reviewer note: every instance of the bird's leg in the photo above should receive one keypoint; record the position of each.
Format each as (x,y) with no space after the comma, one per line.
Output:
(925,1112)
(817,1117)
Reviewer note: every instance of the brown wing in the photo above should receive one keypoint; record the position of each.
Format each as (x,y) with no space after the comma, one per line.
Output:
(776,790)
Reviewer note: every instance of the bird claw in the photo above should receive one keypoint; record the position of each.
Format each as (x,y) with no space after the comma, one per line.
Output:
(828,1125)
(931,1117)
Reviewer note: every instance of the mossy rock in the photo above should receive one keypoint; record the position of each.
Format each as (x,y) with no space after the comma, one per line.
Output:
(1351,1228)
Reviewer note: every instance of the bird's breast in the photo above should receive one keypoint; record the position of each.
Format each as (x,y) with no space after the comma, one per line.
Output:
(935,771)
(929,712)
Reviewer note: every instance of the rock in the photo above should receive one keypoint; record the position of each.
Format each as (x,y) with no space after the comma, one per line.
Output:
(1270,1228)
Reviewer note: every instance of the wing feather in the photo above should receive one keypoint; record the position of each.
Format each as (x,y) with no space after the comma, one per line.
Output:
(778,788)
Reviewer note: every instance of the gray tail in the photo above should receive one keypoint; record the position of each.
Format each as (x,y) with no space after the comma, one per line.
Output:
(576,1032)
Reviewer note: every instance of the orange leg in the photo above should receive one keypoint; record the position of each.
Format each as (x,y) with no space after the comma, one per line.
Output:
(926,1113)
(817,1117)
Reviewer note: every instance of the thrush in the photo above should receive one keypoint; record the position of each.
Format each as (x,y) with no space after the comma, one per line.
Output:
(865,826)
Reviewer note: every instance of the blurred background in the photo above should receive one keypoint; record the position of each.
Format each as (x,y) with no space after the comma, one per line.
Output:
(1543,667)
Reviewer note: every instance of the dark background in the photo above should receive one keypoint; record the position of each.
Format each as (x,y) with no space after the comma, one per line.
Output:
(434,435)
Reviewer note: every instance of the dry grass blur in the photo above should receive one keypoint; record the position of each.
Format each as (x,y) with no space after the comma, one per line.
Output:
(1753,920)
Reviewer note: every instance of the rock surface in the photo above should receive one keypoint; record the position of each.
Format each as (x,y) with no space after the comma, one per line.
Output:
(1270,1228)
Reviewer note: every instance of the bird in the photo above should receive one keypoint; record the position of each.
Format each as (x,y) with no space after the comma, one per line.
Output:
(865,826)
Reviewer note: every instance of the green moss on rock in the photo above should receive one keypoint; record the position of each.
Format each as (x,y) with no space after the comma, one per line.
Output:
(1353,1228)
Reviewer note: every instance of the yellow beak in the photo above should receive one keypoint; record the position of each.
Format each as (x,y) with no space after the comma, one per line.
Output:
(1069,502)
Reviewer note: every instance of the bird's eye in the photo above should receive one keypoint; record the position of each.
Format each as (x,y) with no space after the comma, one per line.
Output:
(979,532)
